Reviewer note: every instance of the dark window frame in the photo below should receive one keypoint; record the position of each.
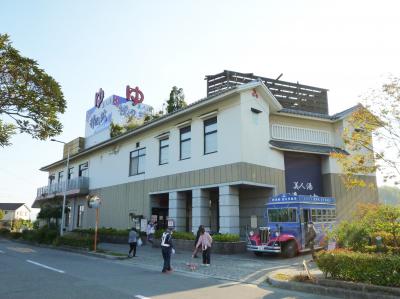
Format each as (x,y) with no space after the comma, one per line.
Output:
(207,122)
(79,220)
(160,148)
(181,141)
(81,169)
(60,176)
(70,172)
(138,157)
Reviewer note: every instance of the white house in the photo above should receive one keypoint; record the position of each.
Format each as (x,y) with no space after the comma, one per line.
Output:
(14,211)
(215,162)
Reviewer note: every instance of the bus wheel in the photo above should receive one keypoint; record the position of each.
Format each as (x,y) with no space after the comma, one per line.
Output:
(289,249)
(258,253)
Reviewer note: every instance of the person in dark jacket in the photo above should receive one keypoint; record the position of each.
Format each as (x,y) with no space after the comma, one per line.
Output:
(132,240)
(167,248)
(311,234)
(201,227)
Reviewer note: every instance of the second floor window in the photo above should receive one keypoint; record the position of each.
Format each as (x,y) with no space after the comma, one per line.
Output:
(210,135)
(70,173)
(84,170)
(185,140)
(60,176)
(137,161)
(164,151)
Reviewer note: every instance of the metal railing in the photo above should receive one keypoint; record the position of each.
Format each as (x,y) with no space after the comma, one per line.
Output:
(81,184)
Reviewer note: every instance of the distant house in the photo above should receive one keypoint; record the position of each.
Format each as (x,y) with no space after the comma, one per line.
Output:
(14,211)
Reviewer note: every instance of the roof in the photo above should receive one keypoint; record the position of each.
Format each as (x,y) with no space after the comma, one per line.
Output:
(10,206)
(334,117)
(275,106)
(306,148)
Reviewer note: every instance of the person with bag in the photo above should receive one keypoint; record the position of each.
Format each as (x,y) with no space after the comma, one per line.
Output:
(311,234)
(167,248)
(205,241)
(194,255)
(132,240)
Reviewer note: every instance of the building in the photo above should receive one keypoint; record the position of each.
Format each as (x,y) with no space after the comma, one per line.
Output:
(215,162)
(14,211)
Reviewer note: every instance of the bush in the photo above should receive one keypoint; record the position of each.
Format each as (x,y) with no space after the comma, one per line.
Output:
(45,234)
(183,236)
(15,235)
(351,235)
(4,232)
(74,241)
(379,269)
(158,233)
(108,231)
(226,238)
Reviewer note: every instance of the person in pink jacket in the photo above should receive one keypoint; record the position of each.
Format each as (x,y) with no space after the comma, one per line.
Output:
(205,241)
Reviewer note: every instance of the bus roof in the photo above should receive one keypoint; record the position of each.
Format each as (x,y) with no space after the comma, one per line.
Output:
(290,198)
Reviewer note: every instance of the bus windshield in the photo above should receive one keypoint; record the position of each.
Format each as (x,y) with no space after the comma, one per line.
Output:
(282,215)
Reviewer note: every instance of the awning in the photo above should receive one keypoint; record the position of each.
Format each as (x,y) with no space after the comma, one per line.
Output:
(306,148)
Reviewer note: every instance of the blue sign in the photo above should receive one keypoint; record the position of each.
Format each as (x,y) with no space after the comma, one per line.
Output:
(301,198)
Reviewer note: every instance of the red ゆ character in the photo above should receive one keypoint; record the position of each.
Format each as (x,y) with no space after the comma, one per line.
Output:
(138,96)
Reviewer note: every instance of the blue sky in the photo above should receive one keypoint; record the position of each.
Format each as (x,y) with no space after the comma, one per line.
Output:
(345,46)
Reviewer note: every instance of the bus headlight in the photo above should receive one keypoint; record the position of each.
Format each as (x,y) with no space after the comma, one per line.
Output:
(251,233)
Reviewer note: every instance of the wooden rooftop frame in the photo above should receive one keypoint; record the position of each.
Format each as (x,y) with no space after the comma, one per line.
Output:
(290,95)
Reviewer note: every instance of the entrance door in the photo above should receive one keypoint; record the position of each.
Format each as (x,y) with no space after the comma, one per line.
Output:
(162,215)
(304,218)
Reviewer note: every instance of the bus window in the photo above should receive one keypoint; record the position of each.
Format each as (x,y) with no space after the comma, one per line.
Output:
(313,215)
(324,216)
(282,215)
(319,215)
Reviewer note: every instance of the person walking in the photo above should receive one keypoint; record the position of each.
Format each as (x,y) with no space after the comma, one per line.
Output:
(150,232)
(311,234)
(194,255)
(205,241)
(132,240)
(167,248)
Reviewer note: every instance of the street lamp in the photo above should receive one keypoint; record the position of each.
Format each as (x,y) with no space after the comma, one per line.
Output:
(65,189)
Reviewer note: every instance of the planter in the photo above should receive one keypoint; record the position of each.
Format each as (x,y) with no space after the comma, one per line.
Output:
(217,247)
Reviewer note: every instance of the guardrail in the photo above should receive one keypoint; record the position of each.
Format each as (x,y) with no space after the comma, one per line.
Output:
(81,184)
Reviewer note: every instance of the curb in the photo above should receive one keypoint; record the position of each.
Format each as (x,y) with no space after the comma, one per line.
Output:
(71,249)
(338,291)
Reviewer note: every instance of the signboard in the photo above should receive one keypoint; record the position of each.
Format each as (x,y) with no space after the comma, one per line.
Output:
(302,198)
(303,174)
(171,223)
(143,225)
(93,201)
(253,221)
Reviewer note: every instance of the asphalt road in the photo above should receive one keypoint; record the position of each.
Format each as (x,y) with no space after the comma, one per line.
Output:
(34,272)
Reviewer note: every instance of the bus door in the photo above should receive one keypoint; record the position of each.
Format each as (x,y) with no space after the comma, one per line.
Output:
(305,214)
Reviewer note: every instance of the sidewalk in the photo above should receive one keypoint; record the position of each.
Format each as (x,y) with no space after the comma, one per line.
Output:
(245,267)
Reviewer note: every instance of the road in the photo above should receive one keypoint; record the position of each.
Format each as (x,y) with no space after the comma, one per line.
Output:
(35,272)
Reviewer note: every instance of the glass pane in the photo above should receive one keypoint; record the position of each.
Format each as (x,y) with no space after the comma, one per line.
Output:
(185,149)
(164,142)
(282,215)
(134,166)
(185,135)
(210,127)
(210,143)
(141,166)
(164,155)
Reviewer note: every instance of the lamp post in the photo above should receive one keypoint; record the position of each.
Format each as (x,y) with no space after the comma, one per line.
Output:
(65,190)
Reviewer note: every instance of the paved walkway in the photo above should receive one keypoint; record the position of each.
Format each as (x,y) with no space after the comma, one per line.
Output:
(245,267)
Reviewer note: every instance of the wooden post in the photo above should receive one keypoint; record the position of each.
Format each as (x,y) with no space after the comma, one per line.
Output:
(95,230)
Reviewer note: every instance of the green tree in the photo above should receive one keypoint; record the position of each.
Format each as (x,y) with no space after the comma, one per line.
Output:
(48,212)
(376,121)
(1,214)
(176,100)
(30,99)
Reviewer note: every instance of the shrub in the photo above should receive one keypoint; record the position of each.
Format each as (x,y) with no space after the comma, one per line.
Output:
(75,241)
(15,235)
(159,233)
(226,238)
(379,269)
(183,236)
(351,235)
(108,231)
(4,232)
(45,234)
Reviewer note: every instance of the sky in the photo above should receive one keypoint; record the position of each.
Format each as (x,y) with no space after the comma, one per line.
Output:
(347,47)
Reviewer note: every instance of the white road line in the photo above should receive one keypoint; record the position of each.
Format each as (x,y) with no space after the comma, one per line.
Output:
(141,297)
(46,267)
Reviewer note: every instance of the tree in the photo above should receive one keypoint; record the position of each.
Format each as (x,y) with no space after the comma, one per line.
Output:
(30,99)
(1,214)
(376,120)
(176,100)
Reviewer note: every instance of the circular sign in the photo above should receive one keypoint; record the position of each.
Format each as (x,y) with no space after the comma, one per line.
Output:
(93,201)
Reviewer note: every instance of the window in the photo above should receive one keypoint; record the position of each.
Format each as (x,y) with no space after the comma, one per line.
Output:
(282,215)
(323,215)
(81,210)
(60,176)
(70,173)
(164,149)
(83,170)
(137,161)
(185,140)
(210,135)
(52,178)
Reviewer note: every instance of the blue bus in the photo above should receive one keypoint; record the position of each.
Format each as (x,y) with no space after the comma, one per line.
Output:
(286,218)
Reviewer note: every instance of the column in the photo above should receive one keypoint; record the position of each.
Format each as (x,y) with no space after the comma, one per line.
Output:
(229,210)
(177,209)
(200,209)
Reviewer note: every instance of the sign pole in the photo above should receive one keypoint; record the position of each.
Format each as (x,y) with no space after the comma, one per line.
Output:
(95,230)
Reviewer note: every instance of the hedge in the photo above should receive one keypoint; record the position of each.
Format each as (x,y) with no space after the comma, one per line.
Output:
(191,236)
(226,238)
(74,241)
(108,231)
(378,269)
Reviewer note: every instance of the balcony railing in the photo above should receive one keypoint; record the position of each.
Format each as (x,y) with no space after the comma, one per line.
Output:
(75,186)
